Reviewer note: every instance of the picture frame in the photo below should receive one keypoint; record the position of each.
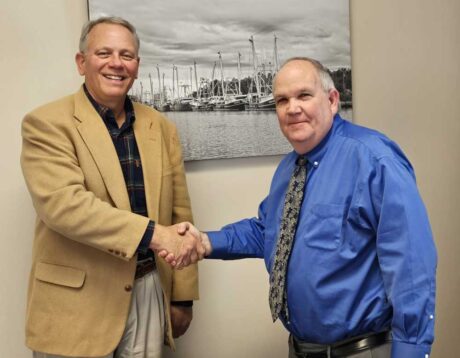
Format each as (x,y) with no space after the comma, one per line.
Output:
(208,66)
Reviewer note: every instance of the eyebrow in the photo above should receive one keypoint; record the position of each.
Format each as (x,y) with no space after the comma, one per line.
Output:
(296,91)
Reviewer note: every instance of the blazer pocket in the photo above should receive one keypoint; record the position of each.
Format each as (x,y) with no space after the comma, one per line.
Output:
(60,275)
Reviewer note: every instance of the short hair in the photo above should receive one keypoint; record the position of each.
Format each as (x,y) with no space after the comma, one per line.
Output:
(325,77)
(89,25)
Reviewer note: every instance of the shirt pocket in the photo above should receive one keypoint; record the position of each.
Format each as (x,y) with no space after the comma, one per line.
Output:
(322,228)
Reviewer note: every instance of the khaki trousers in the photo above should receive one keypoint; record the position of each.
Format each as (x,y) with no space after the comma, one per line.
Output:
(144,333)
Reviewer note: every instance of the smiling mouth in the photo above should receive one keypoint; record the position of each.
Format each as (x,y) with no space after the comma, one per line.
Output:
(297,123)
(114,77)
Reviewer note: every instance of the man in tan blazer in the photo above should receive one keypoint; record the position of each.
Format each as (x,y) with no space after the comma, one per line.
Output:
(107,180)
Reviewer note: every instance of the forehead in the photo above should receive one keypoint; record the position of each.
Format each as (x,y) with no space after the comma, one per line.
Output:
(110,34)
(296,75)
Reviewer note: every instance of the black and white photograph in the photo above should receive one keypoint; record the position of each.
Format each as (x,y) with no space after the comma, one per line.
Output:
(208,65)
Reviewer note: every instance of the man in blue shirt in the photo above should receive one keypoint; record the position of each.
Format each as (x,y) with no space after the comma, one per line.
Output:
(361,272)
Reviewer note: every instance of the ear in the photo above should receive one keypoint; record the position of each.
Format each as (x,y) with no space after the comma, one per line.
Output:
(80,61)
(334,99)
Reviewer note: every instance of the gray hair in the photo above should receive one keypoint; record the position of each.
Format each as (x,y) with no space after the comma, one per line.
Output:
(326,80)
(88,26)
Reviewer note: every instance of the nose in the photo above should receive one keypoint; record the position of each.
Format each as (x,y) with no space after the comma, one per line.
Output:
(115,60)
(293,106)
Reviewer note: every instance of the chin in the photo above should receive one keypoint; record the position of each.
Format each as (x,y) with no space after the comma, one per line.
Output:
(116,93)
(300,139)
(300,144)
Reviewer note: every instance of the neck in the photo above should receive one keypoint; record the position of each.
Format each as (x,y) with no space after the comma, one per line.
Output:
(120,116)
(116,105)
(118,110)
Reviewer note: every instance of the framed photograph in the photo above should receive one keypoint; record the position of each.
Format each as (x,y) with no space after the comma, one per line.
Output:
(208,65)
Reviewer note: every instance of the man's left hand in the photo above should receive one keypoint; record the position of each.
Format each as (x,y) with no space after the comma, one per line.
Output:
(180,319)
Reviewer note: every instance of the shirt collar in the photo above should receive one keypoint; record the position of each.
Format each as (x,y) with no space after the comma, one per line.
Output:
(107,114)
(316,154)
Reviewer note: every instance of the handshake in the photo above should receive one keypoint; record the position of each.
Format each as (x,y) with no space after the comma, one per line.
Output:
(181,244)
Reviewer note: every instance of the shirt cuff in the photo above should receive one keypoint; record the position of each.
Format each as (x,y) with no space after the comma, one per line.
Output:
(219,244)
(144,245)
(407,350)
(182,303)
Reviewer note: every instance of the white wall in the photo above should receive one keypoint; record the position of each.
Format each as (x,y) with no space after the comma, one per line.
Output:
(406,75)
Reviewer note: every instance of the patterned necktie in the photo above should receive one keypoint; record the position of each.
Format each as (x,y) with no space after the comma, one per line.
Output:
(292,203)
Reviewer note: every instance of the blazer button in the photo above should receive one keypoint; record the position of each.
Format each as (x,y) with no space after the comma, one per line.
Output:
(117,252)
(128,288)
(123,254)
(111,251)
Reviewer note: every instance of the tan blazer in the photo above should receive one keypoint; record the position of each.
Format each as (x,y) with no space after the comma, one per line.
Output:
(86,236)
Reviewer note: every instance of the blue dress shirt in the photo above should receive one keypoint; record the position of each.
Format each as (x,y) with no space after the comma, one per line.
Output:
(363,259)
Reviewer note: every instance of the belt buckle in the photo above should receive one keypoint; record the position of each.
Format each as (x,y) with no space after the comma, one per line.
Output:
(144,267)
(361,344)
(300,352)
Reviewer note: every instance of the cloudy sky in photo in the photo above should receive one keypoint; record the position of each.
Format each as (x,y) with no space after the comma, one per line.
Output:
(180,32)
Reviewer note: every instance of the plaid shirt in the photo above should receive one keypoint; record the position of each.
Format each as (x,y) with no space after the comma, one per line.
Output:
(128,154)
(125,144)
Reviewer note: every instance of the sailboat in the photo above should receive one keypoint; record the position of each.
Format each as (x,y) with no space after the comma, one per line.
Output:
(180,104)
(263,99)
(231,101)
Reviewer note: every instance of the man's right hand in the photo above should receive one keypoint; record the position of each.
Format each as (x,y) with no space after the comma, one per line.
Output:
(178,248)
(185,226)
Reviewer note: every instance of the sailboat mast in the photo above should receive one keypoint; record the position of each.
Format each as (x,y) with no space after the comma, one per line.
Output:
(222,75)
(163,93)
(198,91)
(159,85)
(239,73)
(173,87)
(254,62)
(275,54)
(151,89)
(212,78)
(191,81)
(177,83)
(142,91)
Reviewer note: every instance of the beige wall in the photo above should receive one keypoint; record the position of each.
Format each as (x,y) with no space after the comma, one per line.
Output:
(406,76)
(37,41)
(406,62)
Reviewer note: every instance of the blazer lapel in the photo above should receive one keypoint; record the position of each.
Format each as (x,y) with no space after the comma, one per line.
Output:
(149,143)
(97,138)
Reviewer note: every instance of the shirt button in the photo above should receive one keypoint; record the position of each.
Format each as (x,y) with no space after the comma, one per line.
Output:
(128,288)
(315,164)
(431,316)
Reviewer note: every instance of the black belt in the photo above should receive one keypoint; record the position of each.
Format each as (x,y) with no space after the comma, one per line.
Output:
(144,267)
(345,348)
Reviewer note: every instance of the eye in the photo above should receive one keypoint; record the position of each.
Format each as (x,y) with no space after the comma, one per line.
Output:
(280,101)
(103,54)
(304,95)
(128,56)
